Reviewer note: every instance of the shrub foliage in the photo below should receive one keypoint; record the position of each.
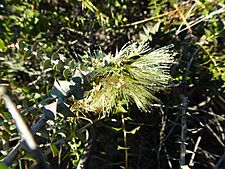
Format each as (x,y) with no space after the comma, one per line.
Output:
(96,101)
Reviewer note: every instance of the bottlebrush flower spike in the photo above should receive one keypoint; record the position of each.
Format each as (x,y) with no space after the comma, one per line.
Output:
(133,75)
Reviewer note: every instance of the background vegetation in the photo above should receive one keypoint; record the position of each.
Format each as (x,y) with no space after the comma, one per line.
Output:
(44,42)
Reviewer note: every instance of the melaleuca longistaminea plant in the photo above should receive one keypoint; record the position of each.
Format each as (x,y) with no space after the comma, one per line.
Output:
(133,75)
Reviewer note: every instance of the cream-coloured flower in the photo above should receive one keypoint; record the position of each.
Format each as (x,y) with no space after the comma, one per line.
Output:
(133,75)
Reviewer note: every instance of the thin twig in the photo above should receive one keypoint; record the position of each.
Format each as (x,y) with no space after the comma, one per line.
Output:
(189,65)
(36,127)
(12,154)
(191,162)
(184,114)
(168,159)
(32,108)
(185,19)
(219,11)
(161,134)
(22,128)
(214,134)
(16,150)
(125,140)
(183,132)
(148,19)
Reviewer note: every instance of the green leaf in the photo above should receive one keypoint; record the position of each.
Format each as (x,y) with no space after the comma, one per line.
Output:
(35,46)
(5,136)
(67,73)
(117,4)
(77,91)
(50,110)
(61,88)
(207,32)
(25,90)
(116,129)
(48,114)
(46,64)
(155,28)
(21,45)
(6,115)
(59,65)
(36,95)
(29,13)
(55,56)
(2,44)
(39,53)
(223,77)
(134,130)
(54,150)
(120,109)
(43,133)
(12,127)
(27,53)
(64,110)
(128,118)
(2,165)
(122,148)
(62,134)
(116,22)
(77,80)
(72,65)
